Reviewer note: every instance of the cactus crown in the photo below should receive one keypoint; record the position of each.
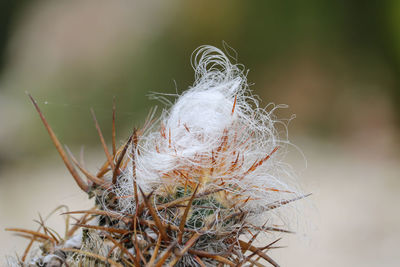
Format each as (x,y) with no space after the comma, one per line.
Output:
(199,186)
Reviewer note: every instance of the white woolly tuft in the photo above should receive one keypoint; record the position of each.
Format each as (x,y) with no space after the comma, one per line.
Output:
(75,241)
(216,125)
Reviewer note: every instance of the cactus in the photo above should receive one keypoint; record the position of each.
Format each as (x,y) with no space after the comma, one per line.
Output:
(199,186)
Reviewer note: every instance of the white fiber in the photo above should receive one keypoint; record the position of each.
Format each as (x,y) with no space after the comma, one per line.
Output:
(75,241)
(216,134)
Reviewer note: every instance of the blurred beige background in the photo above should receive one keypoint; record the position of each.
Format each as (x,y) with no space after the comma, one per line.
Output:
(336,64)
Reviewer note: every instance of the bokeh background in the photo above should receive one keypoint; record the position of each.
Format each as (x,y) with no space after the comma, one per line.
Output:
(335,63)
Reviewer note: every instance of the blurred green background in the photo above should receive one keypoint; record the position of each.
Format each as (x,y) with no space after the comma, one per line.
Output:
(335,63)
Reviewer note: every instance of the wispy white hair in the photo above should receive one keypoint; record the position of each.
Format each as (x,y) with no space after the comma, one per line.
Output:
(218,108)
